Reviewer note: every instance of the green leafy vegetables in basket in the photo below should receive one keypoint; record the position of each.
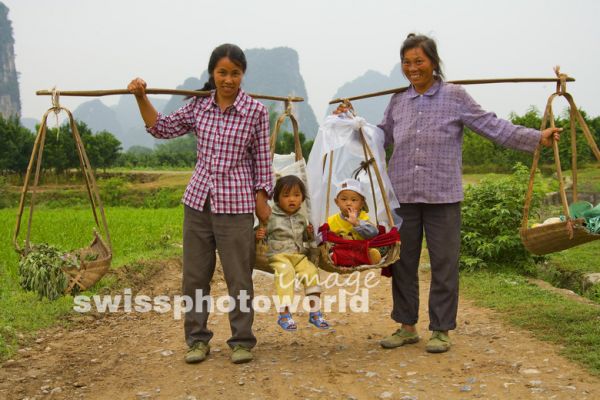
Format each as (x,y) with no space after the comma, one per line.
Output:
(42,270)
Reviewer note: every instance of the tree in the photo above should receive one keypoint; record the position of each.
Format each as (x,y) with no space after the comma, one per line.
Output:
(60,153)
(285,144)
(59,150)
(17,144)
(477,150)
(481,152)
(103,150)
(137,156)
(594,125)
(180,152)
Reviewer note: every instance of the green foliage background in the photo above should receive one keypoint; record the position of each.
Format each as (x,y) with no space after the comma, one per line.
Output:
(480,154)
(491,217)
(105,150)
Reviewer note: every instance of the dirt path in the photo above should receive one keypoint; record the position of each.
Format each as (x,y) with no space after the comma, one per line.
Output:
(140,356)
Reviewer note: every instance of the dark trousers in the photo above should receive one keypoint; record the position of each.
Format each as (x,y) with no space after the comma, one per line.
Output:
(233,237)
(441,224)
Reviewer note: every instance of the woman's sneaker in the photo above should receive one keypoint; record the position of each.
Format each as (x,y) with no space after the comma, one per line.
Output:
(197,353)
(439,343)
(399,338)
(241,354)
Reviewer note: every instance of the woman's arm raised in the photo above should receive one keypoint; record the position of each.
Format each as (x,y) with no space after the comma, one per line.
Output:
(149,114)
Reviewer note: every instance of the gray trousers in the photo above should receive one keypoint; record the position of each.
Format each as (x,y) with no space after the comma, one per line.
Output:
(232,235)
(441,224)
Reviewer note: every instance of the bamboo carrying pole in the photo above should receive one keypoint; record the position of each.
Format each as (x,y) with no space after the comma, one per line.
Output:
(458,82)
(198,93)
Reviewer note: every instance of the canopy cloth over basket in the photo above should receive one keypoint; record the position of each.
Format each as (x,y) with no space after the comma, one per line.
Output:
(90,271)
(341,136)
(347,146)
(550,238)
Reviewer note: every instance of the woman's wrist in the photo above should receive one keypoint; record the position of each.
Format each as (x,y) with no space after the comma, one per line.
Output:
(261,195)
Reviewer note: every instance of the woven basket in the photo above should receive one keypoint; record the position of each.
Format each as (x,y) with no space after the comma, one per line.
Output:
(550,238)
(262,261)
(326,264)
(545,239)
(90,272)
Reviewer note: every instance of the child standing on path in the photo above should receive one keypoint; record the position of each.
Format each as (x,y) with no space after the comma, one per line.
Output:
(232,180)
(286,233)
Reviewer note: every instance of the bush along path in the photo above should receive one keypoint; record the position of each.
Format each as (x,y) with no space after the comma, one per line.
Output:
(135,355)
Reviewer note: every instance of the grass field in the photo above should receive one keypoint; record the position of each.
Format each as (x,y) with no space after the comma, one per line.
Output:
(589,178)
(137,234)
(568,268)
(584,258)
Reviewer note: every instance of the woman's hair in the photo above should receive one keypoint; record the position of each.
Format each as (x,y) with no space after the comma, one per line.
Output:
(286,183)
(231,51)
(428,46)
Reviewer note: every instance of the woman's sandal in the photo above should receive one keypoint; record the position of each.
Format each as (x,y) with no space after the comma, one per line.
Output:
(286,322)
(316,318)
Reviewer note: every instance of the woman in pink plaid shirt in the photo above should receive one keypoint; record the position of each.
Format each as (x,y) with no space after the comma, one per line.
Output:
(232,180)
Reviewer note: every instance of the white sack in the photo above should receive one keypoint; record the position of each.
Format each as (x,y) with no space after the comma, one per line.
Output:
(340,134)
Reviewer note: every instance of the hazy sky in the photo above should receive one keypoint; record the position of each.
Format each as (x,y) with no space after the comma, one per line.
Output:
(78,45)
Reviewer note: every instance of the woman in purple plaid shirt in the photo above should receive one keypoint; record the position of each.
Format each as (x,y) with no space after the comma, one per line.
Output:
(425,127)
(232,180)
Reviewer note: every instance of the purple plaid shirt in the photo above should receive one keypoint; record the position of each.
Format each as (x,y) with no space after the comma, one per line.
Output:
(234,158)
(427,132)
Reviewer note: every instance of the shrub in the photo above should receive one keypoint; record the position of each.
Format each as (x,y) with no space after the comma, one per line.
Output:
(112,191)
(491,217)
(3,193)
(41,271)
(163,198)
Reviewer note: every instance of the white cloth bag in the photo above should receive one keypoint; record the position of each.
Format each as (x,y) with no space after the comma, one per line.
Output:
(340,134)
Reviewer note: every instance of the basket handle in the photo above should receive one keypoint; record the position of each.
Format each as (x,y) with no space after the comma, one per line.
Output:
(289,114)
(549,117)
(386,203)
(36,160)
(262,225)
(368,154)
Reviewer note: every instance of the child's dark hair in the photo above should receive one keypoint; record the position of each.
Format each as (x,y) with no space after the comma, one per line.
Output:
(286,183)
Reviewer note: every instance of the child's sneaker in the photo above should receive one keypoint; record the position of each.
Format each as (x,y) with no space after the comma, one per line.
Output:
(316,318)
(286,322)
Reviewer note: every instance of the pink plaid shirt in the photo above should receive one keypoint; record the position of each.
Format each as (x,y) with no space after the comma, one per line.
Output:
(234,159)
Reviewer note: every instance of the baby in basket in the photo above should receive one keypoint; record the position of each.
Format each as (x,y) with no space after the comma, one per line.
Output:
(352,222)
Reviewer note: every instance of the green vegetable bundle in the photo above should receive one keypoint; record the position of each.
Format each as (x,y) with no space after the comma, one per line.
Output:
(42,270)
